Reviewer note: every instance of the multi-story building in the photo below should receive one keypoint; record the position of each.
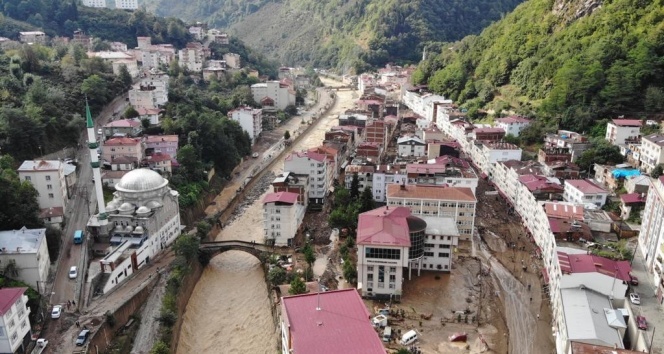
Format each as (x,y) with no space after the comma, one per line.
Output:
(438,201)
(163,144)
(371,151)
(547,155)
(197,32)
(192,57)
(94,3)
(443,171)
(574,142)
(618,131)
(411,146)
(118,47)
(159,162)
(423,103)
(125,127)
(364,176)
(486,154)
(279,93)
(376,131)
(282,217)
(488,134)
(126,4)
(442,237)
(14,320)
(383,176)
(651,237)
(584,191)
(127,147)
(250,119)
(28,251)
(233,60)
(319,170)
(293,183)
(652,152)
(342,316)
(149,94)
(512,125)
(48,178)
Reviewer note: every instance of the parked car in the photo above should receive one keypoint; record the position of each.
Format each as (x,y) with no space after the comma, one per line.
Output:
(56,312)
(633,279)
(635,298)
(73,272)
(254,155)
(641,322)
(82,337)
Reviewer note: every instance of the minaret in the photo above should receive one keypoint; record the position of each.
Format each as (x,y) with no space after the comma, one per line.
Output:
(94,162)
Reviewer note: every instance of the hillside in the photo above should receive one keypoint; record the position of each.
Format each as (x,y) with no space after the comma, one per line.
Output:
(343,33)
(568,62)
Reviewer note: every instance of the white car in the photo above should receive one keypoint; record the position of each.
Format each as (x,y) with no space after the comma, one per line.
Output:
(73,272)
(56,312)
(635,299)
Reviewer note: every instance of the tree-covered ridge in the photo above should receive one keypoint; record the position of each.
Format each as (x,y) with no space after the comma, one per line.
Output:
(538,62)
(343,33)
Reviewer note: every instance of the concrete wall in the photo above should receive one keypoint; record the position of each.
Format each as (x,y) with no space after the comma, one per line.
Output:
(186,289)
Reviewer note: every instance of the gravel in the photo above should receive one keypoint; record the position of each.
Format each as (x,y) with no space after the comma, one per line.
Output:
(252,195)
(149,328)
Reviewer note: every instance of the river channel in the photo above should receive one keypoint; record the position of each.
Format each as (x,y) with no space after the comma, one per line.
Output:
(229,309)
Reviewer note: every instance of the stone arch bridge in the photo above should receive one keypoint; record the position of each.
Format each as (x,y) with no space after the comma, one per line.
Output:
(207,250)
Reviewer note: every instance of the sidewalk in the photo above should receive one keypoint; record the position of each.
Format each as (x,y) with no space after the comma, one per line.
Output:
(650,307)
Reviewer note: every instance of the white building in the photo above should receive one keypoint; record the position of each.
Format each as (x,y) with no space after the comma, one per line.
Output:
(620,130)
(126,4)
(233,60)
(443,171)
(383,176)
(651,237)
(423,103)
(143,220)
(364,176)
(14,321)
(29,251)
(485,154)
(94,3)
(584,191)
(319,169)
(442,237)
(512,125)
(602,275)
(33,37)
(282,217)
(250,119)
(437,201)
(192,57)
(150,93)
(411,146)
(281,94)
(48,178)
(652,153)
(130,64)
(197,32)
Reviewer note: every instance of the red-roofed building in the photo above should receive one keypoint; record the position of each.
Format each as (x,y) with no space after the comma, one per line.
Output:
(568,211)
(160,162)
(14,320)
(569,230)
(584,191)
(542,188)
(165,144)
(631,203)
(369,150)
(319,169)
(128,127)
(618,131)
(488,134)
(603,275)
(512,125)
(282,217)
(294,183)
(326,323)
(444,170)
(116,147)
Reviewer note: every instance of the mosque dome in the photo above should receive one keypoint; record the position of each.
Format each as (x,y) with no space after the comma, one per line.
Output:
(142,210)
(140,180)
(126,207)
(153,204)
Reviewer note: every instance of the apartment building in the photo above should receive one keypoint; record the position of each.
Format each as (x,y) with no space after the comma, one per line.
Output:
(94,3)
(411,146)
(651,152)
(486,154)
(443,171)
(293,183)
(279,93)
(619,131)
(233,60)
(48,178)
(442,237)
(27,248)
(14,321)
(651,237)
(376,131)
(456,202)
(192,57)
(584,191)
(126,4)
(423,102)
(488,134)
(512,125)
(122,147)
(385,175)
(125,127)
(282,217)
(161,144)
(250,119)
(572,141)
(319,170)
(149,93)
(364,176)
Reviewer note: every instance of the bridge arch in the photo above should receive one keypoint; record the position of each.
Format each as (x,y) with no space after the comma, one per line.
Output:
(208,250)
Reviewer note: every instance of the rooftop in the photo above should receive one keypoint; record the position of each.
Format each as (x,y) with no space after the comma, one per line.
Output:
(499,145)
(122,141)
(512,119)
(627,122)
(489,130)
(51,212)
(161,138)
(123,123)
(281,197)
(431,192)
(588,263)
(384,226)
(40,165)
(330,322)
(306,154)
(632,198)
(536,183)
(586,186)
(585,348)
(110,55)
(562,210)
(21,241)
(586,319)
(408,139)
(440,225)
(656,139)
(8,297)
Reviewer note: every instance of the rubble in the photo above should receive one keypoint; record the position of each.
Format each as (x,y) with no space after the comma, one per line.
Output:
(254,193)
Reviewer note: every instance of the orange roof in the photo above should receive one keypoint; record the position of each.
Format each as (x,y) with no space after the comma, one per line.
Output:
(430,192)
(160,138)
(122,141)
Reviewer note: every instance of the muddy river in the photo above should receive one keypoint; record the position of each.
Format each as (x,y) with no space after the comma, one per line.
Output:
(229,310)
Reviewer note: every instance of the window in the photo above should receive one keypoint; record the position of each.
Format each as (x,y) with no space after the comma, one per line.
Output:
(49,186)
(393,278)
(370,277)
(370,269)
(444,255)
(14,336)
(428,254)
(27,178)
(23,324)
(382,253)
(428,245)
(48,178)
(50,195)
(444,246)
(393,269)
(12,324)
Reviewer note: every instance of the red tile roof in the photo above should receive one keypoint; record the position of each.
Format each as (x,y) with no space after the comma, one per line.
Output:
(384,226)
(585,186)
(536,183)
(341,325)
(461,194)
(632,198)
(123,123)
(564,210)
(489,130)
(51,212)
(159,157)
(8,297)
(122,141)
(512,119)
(628,122)
(282,197)
(160,138)
(586,263)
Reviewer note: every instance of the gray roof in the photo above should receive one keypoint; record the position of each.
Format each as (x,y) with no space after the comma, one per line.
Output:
(141,179)
(440,226)
(21,241)
(587,320)
(69,169)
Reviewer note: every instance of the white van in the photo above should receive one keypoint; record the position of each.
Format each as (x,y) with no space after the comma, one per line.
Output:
(409,337)
(387,334)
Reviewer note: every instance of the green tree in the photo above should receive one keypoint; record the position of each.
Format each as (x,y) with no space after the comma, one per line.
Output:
(203,229)
(350,273)
(355,187)
(186,246)
(95,88)
(366,200)
(309,254)
(160,348)
(601,152)
(125,77)
(277,276)
(286,135)
(131,112)
(19,205)
(297,286)
(657,171)
(341,196)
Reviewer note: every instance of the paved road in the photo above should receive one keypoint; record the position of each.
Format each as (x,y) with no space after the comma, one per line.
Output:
(649,307)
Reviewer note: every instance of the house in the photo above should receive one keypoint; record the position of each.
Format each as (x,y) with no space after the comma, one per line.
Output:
(512,125)
(443,171)
(197,32)
(562,169)
(369,150)
(126,4)
(234,61)
(127,147)
(317,167)
(602,275)
(250,119)
(631,205)
(28,251)
(150,92)
(161,144)
(217,36)
(52,216)
(637,184)
(123,163)
(570,230)
(651,151)
(438,201)
(282,217)
(488,134)
(159,162)
(127,127)
(572,141)
(411,146)
(543,188)
(651,236)
(327,322)
(33,37)
(563,210)
(192,57)
(438,148)
(618,131)
(14,320)
(354,118)
(151,114)
(280,94)
(111,178)
(293,183)
(82,39)
(214,68)
(548,155)
(364,176)
(584,191)
(48,179)
(614,176)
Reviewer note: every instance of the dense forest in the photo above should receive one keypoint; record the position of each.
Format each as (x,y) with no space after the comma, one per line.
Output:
(577,63)
(342,33)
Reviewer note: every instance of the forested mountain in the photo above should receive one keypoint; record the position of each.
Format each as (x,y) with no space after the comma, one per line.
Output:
(342,33)
(569,62)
